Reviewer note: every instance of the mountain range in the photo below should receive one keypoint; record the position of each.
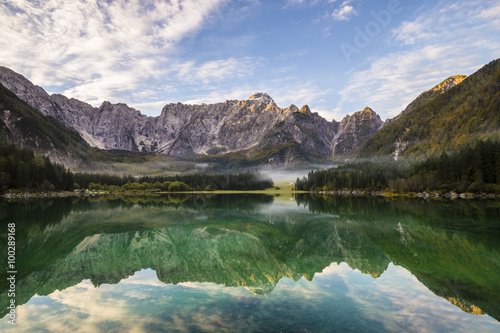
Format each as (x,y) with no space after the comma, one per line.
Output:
(255,125)
(254,130)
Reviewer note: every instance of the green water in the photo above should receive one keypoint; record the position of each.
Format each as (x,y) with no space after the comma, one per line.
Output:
(253,263)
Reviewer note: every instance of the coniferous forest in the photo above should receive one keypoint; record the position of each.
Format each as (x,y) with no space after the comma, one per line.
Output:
(22,169)
(470,169)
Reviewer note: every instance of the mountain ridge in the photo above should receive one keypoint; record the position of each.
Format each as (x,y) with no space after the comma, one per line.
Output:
(249,127)
(458,111)
(255,131)
(430,94)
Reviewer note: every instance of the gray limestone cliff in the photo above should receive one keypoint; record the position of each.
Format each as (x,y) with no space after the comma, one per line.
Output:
(255,125)
(356,129)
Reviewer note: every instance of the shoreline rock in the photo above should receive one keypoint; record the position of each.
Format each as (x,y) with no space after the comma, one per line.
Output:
(425,195)
(43,195)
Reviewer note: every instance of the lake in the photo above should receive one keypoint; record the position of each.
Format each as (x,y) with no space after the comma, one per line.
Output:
(252,263)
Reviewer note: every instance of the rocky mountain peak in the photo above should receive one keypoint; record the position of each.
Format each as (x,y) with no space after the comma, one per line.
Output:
(292,108)
(262,97)
(367,114)
(356,129)
(305,109)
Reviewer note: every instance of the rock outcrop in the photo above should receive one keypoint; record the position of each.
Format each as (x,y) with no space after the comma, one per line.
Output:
(355,130)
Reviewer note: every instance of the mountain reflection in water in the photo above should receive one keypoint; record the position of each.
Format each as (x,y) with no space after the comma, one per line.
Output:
(252,241)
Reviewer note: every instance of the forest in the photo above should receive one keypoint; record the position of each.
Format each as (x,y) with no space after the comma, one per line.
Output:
(244,181)
(472,169)
(21,169)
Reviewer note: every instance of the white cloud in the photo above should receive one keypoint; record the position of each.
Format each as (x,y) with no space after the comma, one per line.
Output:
(216,70)
(344,12)
(307,93)
(221,95)
(303,2)
(330,113)
(97,49)
(442,41)
(149,107)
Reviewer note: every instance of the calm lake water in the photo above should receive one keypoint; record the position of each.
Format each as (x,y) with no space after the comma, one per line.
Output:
(253,263)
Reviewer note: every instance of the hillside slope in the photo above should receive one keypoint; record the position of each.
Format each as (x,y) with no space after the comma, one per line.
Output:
(444,119)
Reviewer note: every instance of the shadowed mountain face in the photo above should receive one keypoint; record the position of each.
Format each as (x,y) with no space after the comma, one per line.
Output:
(22,124)
(252,242)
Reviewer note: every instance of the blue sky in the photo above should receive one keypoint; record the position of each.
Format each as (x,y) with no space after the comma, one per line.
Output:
(336,56)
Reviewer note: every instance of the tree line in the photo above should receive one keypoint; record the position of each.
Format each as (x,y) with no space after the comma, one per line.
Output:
(470,169)
(20,168)
(243,181)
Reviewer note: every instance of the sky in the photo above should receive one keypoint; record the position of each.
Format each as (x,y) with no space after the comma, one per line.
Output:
(337,56)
